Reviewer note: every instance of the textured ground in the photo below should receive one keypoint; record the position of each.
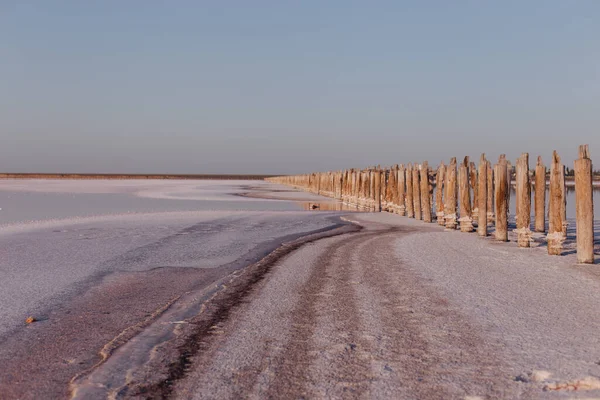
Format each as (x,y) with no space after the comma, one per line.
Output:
(195,304)
(94,279)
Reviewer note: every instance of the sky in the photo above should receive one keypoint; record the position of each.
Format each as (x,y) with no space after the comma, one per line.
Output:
(281,87)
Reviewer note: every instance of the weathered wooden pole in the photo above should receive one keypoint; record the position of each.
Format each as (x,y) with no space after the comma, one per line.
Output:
(356,187)
(383,188)
(318,178)
(490,194)
(410,205)
(475,190)
(377,173)
(482,181)
(509,177)
(430,184)
(466,220)
(392,195)
(425,199)
(417,191)
(540,196)
(402,190)
(451,189)
(439,193)
(362,194)
(564,204)
(500,189)
(523,199)
(556,235)
(584,206)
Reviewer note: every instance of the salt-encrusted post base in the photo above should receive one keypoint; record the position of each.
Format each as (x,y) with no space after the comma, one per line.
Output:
(466,224)
(450,221)
(523,237)
(555,243)
(440,218)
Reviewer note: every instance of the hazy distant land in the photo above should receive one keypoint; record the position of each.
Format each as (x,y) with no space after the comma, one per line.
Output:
(132,176)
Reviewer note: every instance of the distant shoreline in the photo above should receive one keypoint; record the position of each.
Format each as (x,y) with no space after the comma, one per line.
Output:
(134,176)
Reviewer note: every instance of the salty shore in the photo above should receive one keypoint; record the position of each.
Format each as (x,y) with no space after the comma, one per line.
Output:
(246,301)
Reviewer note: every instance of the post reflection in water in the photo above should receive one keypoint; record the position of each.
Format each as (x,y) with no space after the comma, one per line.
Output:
(326,206)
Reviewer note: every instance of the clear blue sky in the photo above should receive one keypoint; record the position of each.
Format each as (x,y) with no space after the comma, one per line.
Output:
(293,86)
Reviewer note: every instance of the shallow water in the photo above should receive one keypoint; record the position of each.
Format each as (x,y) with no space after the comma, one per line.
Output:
(36,200)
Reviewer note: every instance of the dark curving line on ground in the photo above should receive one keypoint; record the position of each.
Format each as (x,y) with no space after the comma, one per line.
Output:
(218,309)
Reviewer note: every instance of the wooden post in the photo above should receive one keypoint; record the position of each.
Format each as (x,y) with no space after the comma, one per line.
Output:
(425,199)
(556,204)
(439,193)
(500,189)
(410,210)
(383,189)
(482,181)
(466,221)
(475,190)
(417,191)
(364,182)
(563,208)
(451,189)
(524,201)
(377,194)
(490,194)
(370,189)
(509,170)
(392,195)
(402,190)
(584,206)
(430,183)
(540,196)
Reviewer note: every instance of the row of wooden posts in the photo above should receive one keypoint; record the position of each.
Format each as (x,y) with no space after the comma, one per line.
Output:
(468,195)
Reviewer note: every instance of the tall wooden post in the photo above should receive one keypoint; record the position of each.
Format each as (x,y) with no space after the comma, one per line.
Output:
(451,192)
(509,170)
(361,188)
(430,184)
(383,188)
(540,196)
(355,187)
(393,190)
(439,193)
(564,204)
(584,206)
(475,190)
(490,194)
(523,200)
(417,191)
(482,180)
(402,190)
(466,221)
(425,199)
(500,189)
(410,204)
(377,194)
(556,235)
